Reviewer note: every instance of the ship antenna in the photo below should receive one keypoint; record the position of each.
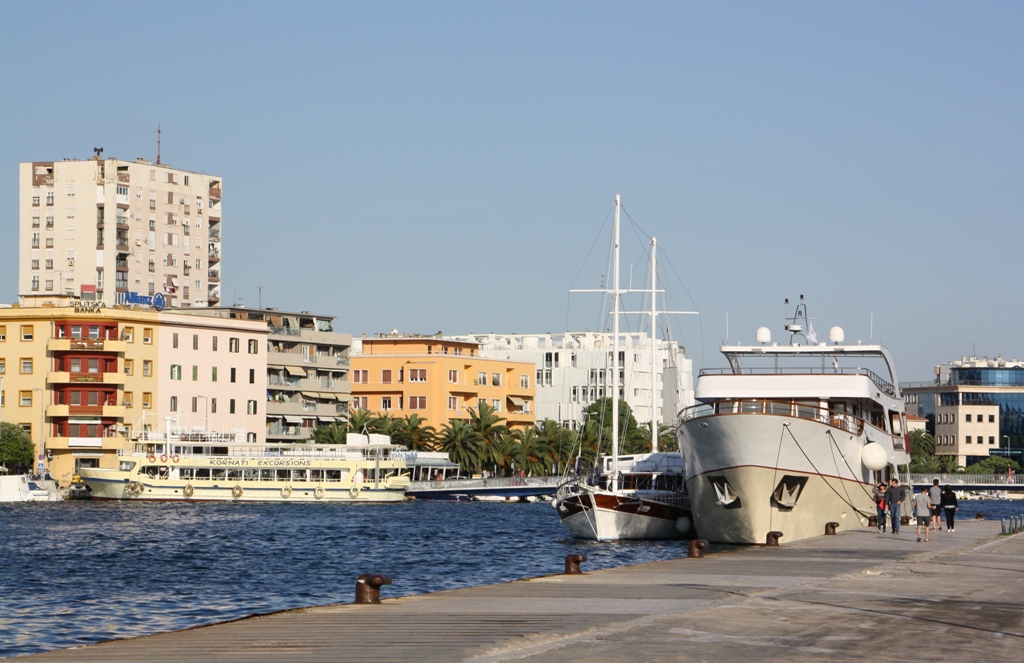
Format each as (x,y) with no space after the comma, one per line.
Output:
(158,144)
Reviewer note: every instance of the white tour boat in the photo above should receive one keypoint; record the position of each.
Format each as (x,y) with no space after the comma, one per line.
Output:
(25,488)
(639,496)
(791,437)
(196,465)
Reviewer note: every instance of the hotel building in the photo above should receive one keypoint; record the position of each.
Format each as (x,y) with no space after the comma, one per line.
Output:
(975,407)
(307,367)
(574,369)
(84,379)
(116,231)
(439,379)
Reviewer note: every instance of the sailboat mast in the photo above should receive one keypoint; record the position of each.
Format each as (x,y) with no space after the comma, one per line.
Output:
(614,485)
(654,345)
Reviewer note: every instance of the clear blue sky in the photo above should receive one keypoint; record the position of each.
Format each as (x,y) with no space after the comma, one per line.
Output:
(447,165)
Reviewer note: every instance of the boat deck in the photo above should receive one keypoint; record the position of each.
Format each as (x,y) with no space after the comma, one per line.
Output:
(857,595)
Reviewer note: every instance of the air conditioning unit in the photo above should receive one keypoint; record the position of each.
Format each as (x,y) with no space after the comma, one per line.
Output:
(71,262)
(138,242)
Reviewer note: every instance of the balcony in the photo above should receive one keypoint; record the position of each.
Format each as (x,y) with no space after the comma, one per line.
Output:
(111,411)
(71,344)
(70,443)
(215,192)
(123,178)
(302,409)
(214,253)
(65,377)
(214,275)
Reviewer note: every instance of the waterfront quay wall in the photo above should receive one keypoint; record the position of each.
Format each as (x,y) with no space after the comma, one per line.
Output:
(848,597)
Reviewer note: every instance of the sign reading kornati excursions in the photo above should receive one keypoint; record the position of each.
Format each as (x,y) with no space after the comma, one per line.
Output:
(283,462)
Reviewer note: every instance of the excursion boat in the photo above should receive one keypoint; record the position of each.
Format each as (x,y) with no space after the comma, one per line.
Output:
(792,437)
(634,497)
(194,465)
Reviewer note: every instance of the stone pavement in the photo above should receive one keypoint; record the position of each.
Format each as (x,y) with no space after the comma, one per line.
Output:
(849,597)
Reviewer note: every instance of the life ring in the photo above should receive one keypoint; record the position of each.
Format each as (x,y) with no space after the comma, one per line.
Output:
(354,491)
(151,458)
(319,492)
(175,458)
(163,458)
(139,488)
(286,492)
(189,490)
(236,491)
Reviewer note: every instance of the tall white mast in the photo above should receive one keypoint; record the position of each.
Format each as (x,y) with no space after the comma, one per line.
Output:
(654,345)
(615,351)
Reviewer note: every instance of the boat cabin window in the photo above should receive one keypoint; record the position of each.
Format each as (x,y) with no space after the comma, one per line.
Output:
(807,409)
(267,475)
(334,475)
(750,406)
(897,425)
(283,475)
(202,473)
(126,465)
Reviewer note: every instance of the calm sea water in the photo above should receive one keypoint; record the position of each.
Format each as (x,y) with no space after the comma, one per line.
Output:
(74,573)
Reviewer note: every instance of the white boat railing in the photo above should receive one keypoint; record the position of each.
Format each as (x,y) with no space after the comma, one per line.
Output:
(965,479)
(490,482)
(334,452)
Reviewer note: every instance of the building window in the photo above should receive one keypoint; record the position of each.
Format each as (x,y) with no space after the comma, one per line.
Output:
(417,375)
(195,404)
(252,376)
(496,404)
(453,403)
(174,340)
(27,333)
(385,402)
(195,341)
(147,335)
(3,366)
(385,376)
(967,418)
(481,379)
(453,377)
(524,381)
(214,343)
(147,400)
(175,372)
(26,366)
(127,399)
(128,334)
(968,438)
(232,375)
(129,366)
(147,368)
(991,439)
(231,406)
(195,373)
(254,346)
(213,405)
(250,407)
(417,402)
(25,398)
(233,344)
(213,374)
(360,377)
(3,332)
(174,403)
(359,402)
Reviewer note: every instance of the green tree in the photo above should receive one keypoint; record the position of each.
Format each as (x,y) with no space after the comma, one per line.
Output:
(503,455)
(922,452)
(535,456)
(360,421)
(667,440)
(385,424)
(17,451)
(560,443)
(331,434)
(413,434)
(462,444)
(993,465)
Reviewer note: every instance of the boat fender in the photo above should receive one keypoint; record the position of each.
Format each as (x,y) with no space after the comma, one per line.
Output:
(175,458)
(236,491)
(139,488)
(163,458)
(873,456)
(189,490)
(354,491)
(683,524)
(319,492)
(151,458)
(286,492)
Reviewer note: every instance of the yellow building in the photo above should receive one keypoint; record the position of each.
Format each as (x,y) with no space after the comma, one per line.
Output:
(80,378)
(439,380)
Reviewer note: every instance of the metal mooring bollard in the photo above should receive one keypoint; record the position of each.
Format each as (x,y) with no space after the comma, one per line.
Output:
(772,539)
(873,521)
(904,520)
(1004,524)
(697,547)
(368,587)
(572,564)
(830,529)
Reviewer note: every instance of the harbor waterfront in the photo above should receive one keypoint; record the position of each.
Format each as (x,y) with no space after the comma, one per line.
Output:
(80,572)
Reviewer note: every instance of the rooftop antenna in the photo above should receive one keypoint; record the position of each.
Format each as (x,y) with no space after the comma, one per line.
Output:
(98,151)
(158,144)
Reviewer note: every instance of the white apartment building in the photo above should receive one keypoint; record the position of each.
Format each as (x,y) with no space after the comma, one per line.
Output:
(119,232)
(573,371)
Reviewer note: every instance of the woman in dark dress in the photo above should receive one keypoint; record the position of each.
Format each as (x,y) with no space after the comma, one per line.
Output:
(950,505)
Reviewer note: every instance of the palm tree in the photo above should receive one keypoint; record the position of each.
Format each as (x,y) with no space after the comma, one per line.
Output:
(535,453)
(360,420)
(487,424)
(560,443)
(463,444)
(333,434)
(385,424)
(504,454)
(414,435)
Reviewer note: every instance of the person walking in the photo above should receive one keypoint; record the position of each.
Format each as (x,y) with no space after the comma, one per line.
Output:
(894,496)
(881,506)
(950,506)
(935,498)
(923,512)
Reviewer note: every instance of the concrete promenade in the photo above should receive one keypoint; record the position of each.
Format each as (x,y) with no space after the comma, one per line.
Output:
(857,596)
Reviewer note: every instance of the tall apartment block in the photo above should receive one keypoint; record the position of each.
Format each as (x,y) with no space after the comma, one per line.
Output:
(307,370)
(119,232)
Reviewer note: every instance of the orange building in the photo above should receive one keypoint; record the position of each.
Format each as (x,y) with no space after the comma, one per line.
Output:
(438,379)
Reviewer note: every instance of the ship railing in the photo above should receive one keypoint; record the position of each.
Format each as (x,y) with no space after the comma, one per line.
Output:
(879,381)
(965,479)
(310,451)
(489,482)
(841,420)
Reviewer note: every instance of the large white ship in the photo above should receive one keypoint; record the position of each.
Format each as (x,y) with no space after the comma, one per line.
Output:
(792,437)
(196,465)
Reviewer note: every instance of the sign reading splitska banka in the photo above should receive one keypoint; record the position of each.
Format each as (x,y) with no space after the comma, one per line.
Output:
(156,301)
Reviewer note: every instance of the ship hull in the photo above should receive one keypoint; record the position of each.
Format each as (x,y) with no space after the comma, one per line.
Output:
(750,474)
